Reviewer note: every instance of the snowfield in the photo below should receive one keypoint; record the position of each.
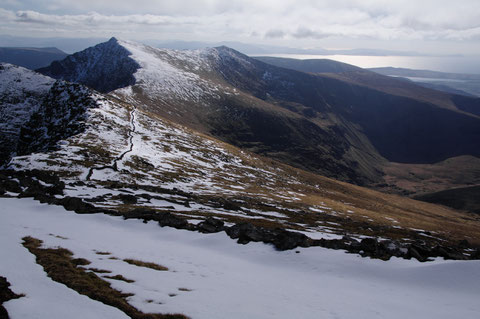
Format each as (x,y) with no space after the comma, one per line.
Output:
(210,276)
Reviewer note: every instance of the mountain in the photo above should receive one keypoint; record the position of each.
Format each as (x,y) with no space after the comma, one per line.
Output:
(37,111)
(192,88)
(309,65)
(256,49)
(69,45)
(94,152)
(344,125)
(31,58)
(122,205)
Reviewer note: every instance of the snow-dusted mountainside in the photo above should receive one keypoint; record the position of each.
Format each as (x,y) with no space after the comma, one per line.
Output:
(113,156)
(318,123)
(104,67)
(121,154)
(37,111)
(206,90)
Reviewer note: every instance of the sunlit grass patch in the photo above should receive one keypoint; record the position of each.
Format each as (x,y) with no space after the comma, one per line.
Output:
(119,277)
(145,264)
(60,266)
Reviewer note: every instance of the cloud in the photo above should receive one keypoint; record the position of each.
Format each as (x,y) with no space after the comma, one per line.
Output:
(274,33)
(266,20)
(96,19)
(303,32)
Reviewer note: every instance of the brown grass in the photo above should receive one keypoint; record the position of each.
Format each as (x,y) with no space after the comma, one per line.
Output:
(145,264)
(119,277)
(58,264)
(99,271)
(103,253)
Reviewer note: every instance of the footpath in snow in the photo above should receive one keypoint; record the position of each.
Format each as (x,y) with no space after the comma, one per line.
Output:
(210,276)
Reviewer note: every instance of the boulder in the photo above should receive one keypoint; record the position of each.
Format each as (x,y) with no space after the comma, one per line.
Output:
(128,199)
(285,240)
(169,219)
(78,205)
(211,225)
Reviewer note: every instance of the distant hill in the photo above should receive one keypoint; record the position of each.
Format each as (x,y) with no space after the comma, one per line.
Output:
(465,198)
(454,97)
(457,83)
(309,65)
(31,58)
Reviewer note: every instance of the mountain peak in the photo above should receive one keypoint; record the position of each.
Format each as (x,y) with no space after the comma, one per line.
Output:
(105,67)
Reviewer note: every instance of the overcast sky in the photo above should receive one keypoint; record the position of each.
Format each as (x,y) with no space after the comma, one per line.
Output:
(427,26)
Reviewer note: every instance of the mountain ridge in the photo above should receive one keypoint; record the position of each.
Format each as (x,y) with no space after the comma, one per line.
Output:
(317,122)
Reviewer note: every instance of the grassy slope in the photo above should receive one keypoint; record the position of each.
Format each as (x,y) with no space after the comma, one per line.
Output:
(307,201)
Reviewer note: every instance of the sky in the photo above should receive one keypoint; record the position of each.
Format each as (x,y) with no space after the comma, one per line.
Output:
(426,26)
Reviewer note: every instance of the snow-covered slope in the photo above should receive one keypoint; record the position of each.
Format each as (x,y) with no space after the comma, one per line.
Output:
(36,111)
(171,74)
(211,277)
(21,93)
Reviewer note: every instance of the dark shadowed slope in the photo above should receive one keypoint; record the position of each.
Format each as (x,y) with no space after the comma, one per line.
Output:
(31,58)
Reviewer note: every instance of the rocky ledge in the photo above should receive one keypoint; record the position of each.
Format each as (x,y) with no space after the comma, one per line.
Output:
(44,187)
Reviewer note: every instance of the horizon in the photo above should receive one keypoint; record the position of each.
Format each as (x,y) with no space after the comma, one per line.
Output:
(431,27)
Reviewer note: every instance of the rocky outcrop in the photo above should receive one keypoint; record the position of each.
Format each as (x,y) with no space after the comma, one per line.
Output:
(105,67)
(27,184)
(5,295)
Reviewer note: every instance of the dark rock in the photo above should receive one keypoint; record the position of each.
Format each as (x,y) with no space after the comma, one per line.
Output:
(285,240)
(78,183)
(282,239)
(46,177)
(475,254)
(422,250)
(369,245)
(211,225)
(145,196)
(246,232)
(128,199)
(5,295)
(412,252)
(449,253)
(78,205)
(5,292)
(43,198)
(464,244)
(12,186)
(34,188)
(229,205)
(140,213)
(168,219)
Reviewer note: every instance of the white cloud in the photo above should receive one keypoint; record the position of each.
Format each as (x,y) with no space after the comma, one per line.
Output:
(280,20)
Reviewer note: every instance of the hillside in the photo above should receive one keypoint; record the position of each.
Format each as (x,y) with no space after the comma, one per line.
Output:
(31,58)
(111,210)
(315,122)
(118,158)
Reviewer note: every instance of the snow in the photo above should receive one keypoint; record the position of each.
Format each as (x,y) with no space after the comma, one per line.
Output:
(225,279)
(21,91)
(169,73)
(16,78)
